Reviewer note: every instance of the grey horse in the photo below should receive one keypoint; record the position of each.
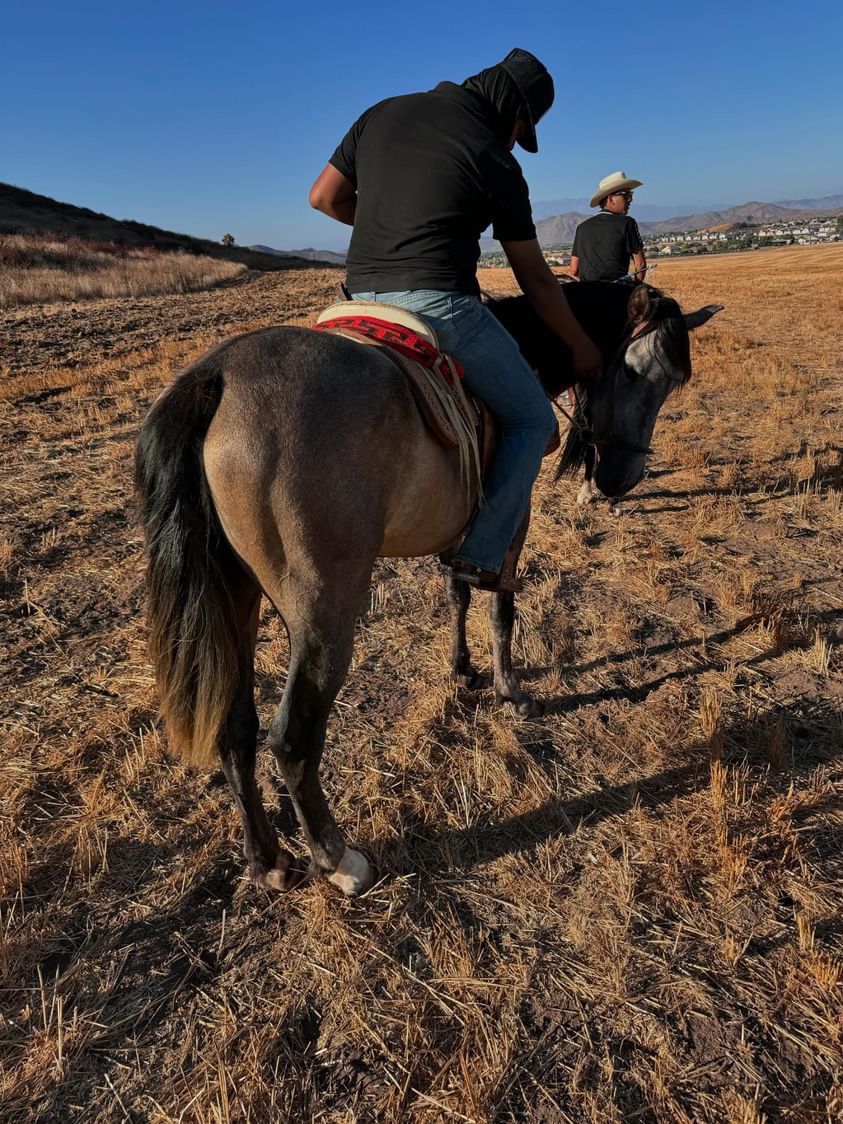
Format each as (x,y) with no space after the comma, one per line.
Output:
(282,464)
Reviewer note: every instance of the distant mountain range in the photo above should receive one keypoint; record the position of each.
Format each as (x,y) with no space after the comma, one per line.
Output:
(309,254)
(656,212)
(26,212)
(827,203)
(558,230)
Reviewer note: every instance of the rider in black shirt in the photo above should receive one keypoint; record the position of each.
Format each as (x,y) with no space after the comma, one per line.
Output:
(430,178)
(420,177)
(604,244)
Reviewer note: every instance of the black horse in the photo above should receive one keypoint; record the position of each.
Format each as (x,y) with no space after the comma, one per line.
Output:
(282,464)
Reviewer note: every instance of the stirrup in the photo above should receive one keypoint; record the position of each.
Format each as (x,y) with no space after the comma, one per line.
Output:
(486,580)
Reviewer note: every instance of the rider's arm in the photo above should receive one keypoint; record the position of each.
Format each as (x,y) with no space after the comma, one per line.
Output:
(574,267)
(635,248)
(547,297)
(639,265)
(334,195)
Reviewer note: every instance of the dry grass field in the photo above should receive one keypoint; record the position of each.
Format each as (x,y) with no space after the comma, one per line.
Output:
(627,910)
(35,268)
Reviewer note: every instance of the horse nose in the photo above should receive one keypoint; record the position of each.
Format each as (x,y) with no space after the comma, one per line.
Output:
(615,484)
(619,483)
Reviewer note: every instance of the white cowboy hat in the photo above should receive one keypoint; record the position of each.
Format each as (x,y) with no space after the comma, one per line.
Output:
(617,181)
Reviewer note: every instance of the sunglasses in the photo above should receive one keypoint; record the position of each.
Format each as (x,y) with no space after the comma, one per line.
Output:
(624,194)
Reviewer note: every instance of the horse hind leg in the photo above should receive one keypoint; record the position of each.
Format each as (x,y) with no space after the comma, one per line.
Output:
(321,640)
(269,865)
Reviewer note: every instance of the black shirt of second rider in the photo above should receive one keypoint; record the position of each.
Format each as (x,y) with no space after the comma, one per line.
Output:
(604,244)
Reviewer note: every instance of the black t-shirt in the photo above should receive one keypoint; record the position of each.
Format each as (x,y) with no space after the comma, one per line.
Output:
(604,244)
(430,175)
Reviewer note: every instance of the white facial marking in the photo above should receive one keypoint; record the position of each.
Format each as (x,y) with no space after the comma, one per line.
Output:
(641,354)
(354,874)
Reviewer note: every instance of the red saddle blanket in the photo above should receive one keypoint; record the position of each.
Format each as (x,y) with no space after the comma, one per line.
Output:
(434,377)
(401,339)
(465,416)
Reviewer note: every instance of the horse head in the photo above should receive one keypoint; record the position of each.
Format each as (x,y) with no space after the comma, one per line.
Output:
(617,414)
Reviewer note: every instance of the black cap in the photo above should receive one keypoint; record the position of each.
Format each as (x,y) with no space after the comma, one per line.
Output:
(536,88)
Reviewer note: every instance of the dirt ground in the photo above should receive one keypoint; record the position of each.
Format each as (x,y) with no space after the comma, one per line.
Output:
(626,910)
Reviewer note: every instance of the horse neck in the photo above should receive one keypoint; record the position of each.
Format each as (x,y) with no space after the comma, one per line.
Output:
(600,309)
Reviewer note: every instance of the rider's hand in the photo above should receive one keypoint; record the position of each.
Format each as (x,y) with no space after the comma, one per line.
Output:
(588,362)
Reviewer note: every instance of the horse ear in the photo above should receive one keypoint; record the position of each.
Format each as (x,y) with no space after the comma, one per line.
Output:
(638,305)
(701,316)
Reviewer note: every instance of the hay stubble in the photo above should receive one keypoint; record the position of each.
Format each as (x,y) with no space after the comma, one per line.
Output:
(628,909)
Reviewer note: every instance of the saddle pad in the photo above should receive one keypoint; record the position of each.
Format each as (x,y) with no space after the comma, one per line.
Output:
(434,394)
(442,403)
(391,312)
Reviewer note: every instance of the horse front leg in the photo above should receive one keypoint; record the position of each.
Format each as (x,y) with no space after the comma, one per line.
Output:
(502,620)
(458,594)
(588,492)
(507,688)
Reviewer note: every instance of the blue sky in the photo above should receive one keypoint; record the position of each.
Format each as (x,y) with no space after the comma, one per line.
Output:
(214,117)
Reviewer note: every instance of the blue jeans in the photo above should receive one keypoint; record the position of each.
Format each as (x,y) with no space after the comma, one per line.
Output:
(495,371)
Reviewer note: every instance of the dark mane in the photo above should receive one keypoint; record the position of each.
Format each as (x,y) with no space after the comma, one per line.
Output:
(673,340)
(600,308)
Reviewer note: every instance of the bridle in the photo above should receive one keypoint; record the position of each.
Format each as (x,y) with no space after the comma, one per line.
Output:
(579,420)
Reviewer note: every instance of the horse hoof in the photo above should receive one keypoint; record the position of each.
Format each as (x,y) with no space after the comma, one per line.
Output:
(530,708)
(468,679)
(354,874)
(526,706)
(283,876)
(585,496)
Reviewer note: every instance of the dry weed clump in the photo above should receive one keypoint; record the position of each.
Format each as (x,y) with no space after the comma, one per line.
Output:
(628,909)
(39,269)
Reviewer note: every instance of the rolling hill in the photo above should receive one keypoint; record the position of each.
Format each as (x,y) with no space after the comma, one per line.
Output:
(25,212)
(332,257)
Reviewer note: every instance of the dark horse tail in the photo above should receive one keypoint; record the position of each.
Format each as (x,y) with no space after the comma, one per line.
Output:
(192,620)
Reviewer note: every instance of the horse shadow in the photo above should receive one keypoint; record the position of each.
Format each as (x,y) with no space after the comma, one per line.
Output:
(637,502)
(568,702)
(811,737)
